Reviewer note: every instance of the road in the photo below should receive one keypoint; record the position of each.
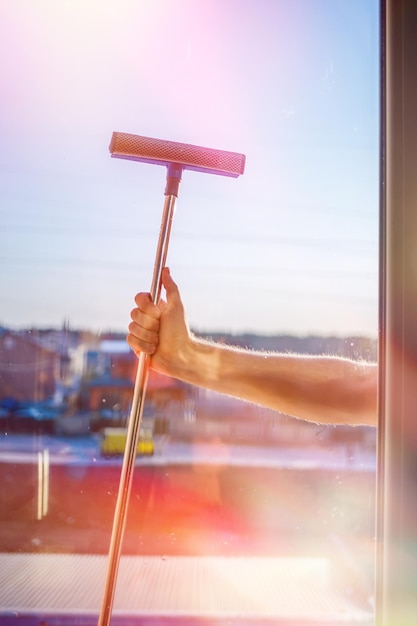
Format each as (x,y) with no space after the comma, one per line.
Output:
(86,450)
(58,494)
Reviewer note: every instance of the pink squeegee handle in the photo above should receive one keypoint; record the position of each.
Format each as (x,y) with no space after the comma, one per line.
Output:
(135,418)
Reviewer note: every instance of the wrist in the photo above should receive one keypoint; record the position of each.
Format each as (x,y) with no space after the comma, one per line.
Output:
(196,362)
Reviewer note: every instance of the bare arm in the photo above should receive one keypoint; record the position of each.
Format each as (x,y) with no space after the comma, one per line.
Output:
(319,389)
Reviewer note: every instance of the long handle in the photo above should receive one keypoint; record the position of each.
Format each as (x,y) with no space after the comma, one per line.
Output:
(120,514)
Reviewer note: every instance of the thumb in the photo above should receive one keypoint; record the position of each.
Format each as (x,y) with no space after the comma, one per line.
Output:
(170,285)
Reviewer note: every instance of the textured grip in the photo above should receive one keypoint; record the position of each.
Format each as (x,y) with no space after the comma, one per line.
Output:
(161,152)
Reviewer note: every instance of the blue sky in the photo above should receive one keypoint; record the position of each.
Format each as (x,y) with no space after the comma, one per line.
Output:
(291,246)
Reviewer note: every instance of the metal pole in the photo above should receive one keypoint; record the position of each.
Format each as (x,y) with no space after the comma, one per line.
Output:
(120,514)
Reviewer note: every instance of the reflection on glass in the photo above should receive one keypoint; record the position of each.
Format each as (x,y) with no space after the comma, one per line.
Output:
(235,510)
(43,484)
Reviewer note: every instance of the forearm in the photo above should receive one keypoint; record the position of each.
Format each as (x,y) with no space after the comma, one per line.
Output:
(318,389)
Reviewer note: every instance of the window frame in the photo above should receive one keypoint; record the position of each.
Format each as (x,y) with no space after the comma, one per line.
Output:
(396,565)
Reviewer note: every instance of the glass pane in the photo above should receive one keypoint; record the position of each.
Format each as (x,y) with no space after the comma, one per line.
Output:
(236,512)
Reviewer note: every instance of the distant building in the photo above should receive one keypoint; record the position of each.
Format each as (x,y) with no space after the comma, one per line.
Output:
(109,375)
(28,370)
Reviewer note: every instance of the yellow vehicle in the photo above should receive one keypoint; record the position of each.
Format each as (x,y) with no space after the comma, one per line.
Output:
(113,442)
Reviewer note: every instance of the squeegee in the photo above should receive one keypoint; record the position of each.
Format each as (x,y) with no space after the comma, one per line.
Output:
(176,157)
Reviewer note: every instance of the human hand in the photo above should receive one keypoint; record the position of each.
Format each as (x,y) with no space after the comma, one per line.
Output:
(160,330)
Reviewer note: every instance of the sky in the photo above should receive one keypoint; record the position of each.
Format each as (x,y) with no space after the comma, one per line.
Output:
(289,247)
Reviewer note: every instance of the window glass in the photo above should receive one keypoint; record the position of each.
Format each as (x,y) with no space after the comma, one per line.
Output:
(235,509)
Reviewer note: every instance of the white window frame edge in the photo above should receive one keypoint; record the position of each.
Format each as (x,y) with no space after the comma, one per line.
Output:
(396,580)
